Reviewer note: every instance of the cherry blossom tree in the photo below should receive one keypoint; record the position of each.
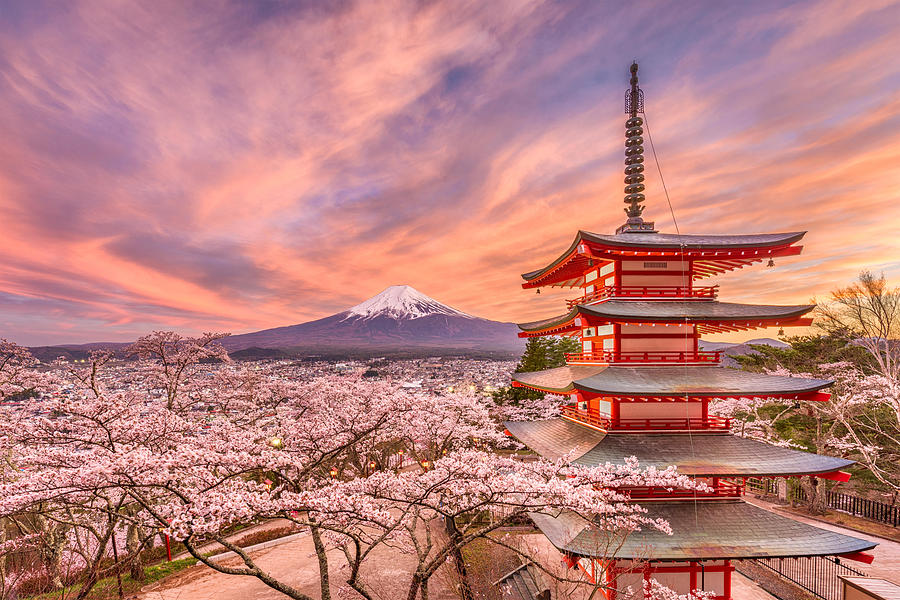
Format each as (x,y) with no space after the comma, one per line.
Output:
(171,360)
(168,444)
(17,370)
(867,313)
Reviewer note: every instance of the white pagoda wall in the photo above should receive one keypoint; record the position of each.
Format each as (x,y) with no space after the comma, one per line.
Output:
(660,410)
(679,273)
(683,343)
(680,582)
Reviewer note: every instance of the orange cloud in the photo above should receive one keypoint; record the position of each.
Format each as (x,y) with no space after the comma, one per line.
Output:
(176,167)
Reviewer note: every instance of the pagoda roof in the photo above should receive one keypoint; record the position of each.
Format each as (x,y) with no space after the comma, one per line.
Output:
(668,381)
(696,380)
(713,310)
(622,244)
(708,529)
(719,315)
(699,454)
(559,380)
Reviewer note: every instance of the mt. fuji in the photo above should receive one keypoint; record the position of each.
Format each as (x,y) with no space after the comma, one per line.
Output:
(402,302)
(400,318)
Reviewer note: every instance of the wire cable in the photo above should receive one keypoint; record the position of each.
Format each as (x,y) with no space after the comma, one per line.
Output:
(684,285)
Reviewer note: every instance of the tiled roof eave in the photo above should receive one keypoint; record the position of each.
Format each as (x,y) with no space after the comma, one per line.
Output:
(667,241)
(711,530)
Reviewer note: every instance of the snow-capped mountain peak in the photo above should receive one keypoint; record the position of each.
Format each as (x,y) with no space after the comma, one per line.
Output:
(402,302)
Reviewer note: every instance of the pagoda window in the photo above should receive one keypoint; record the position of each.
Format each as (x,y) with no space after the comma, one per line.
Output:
(587,346)
(591,275)
(656,273)
(673,266)
(608,269)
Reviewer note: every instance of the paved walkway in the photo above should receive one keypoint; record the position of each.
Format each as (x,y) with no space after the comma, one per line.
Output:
(743,588)
(293,562)
(264,526)
(887,553)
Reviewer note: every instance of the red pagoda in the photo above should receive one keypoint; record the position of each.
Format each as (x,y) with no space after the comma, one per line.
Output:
(642,387)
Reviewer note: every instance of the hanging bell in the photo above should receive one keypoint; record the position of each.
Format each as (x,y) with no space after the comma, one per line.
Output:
(537,291)
(781,332)
(771,263)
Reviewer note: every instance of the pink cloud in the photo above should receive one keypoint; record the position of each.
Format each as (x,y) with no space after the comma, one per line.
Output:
(222,167)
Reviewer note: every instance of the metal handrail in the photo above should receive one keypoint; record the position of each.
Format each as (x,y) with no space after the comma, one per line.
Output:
(647,291)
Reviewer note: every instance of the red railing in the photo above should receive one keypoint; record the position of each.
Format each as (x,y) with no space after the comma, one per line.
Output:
(571,411)
(711,422)
(587,417)
(647,291)
(608,356)
(722,489)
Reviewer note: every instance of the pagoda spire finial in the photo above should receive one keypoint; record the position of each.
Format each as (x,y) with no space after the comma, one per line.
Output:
(634,158)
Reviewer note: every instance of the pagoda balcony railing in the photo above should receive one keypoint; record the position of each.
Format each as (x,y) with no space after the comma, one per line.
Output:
(594,419)
(723,489)
(652,357)
(658,292)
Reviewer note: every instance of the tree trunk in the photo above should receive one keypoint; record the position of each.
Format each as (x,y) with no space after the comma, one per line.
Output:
(465,590)
(815,498)
(323,562)
(414,586)
(133,546)
(52,548)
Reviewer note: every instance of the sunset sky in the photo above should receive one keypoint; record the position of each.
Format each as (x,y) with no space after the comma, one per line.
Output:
(230,166)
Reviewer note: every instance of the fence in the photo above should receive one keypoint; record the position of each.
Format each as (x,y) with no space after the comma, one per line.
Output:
(889,514)
(863,507)
(766,486)
(817,575)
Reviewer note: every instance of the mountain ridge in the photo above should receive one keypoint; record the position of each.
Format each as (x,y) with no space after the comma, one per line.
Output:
(399,318)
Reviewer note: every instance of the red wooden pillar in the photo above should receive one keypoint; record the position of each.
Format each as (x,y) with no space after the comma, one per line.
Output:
(614,412)
(694,569)
(617,340)
(690,273)
(727,579)
(611,580)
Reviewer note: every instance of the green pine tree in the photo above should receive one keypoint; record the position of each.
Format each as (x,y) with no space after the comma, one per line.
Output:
(540,353)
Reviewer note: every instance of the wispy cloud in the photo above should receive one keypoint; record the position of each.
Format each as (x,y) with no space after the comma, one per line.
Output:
(235,165)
